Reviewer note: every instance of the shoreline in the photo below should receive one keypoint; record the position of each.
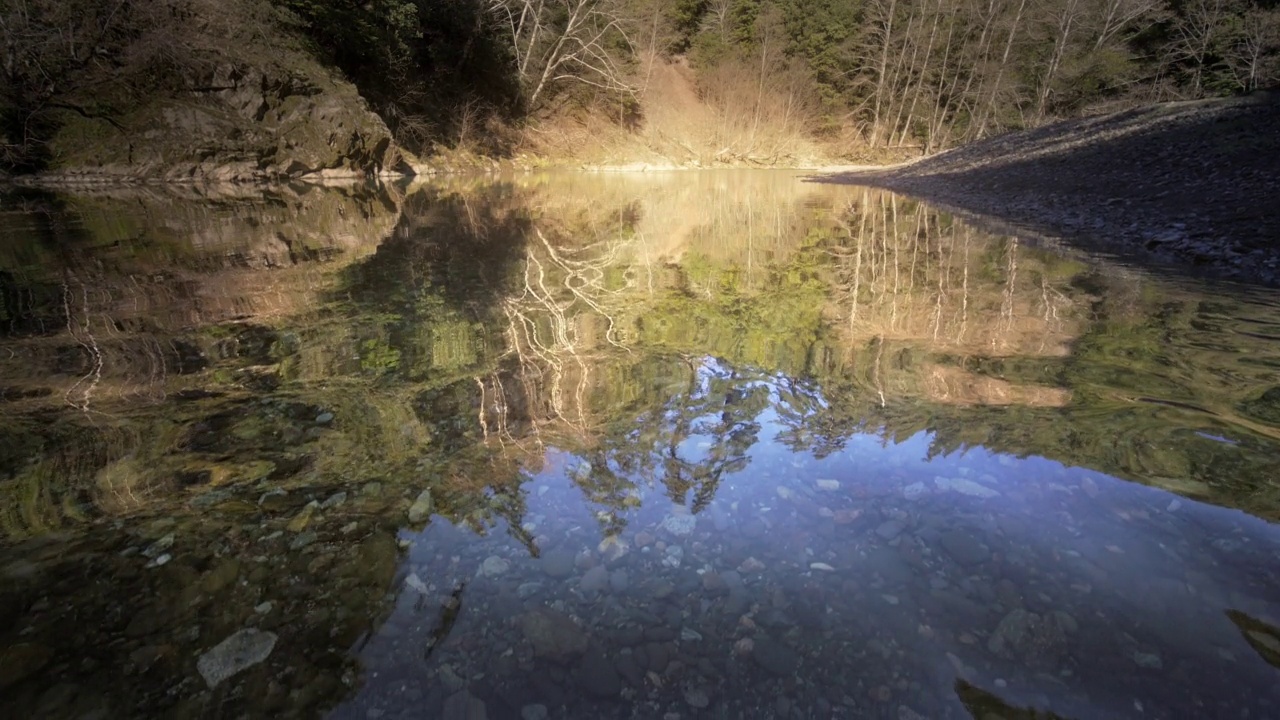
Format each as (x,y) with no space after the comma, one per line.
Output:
(95,180)
(1189,187)
(1184,187)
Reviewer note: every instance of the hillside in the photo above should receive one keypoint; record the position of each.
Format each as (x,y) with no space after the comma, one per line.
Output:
(265,90)
(1191,183)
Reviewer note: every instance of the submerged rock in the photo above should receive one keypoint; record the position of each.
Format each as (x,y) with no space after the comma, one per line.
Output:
(303,518)
(965,487)
(1148,660)
(890,529)
(1033,638)
(612,548)
(553,635)
(558,564)
(697,698)
(679,524)
(597,676)
(18,662)
(964,548)
(595,580)
(494,566)
(462,705)
(533,712)
(619,581)
(241,651)
(774,656)
(421,508)
(673,557)
(303,539)
(158,547)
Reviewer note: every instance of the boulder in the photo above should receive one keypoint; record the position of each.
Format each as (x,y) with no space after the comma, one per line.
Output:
(553,635)
(237,653)
(242,120)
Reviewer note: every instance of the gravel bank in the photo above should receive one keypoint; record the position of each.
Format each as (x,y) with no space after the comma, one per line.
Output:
(1191,184)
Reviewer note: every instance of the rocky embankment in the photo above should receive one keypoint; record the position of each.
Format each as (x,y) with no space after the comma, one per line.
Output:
(243,121)
(1192,184)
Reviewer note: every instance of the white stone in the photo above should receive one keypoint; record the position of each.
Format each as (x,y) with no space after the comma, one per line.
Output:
(421,508)
(241,651)
(965,487)
(913,491)
(494,566)
(679,525)
(415,582)
(697,698)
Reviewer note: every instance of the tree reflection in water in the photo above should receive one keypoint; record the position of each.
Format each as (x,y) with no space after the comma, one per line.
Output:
(272,379)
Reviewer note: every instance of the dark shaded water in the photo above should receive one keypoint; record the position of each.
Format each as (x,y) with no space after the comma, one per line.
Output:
(724,445)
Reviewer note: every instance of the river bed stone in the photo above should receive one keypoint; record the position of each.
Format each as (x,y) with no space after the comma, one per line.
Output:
(239,652)
(553,635)
(964,547)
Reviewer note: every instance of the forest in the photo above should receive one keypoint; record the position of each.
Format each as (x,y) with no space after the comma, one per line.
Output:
(487,74)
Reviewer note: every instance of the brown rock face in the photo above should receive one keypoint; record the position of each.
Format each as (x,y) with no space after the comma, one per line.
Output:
(241,121)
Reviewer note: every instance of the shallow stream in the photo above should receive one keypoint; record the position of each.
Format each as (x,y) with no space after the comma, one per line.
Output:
(686,445)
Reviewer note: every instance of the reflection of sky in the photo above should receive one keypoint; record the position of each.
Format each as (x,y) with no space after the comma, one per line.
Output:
(1141,571)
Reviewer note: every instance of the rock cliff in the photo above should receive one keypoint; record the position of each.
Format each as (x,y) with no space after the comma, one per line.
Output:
(239,121)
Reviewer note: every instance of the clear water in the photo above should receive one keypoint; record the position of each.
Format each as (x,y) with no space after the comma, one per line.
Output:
(694,445)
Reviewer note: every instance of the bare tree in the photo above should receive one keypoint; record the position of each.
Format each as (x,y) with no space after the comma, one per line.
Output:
(1252,54)
(559,42)
(884,32)
(1000,70)
(1066,16)
(1115,16)
(1199,28)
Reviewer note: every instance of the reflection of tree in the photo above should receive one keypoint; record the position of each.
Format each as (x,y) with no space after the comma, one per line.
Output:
(440,279)
(688,441)
(497,320)
(548,323)
(903,271)
(717,410)
(862,323)
(612,491)
(810,422)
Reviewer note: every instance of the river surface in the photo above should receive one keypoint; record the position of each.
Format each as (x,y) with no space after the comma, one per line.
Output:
(687,445)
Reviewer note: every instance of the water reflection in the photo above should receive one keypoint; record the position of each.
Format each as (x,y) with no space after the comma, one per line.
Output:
(712,444)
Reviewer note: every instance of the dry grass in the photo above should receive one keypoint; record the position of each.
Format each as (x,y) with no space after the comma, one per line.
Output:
(728,116)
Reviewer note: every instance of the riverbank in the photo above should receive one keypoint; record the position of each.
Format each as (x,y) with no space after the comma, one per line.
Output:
(1191,185)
